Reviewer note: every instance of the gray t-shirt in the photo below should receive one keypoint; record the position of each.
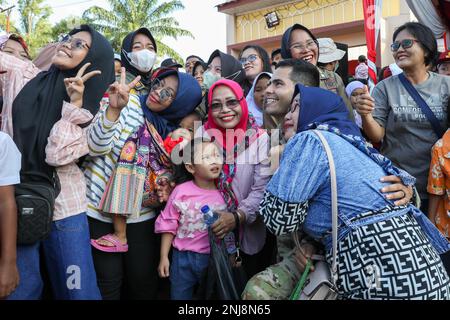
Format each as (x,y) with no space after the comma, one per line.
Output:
(409,135)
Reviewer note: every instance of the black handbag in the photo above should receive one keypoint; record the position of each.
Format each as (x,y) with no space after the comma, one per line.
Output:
(35,200)
(223,280)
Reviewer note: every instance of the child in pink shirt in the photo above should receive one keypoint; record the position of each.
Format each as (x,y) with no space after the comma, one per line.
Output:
(182,224)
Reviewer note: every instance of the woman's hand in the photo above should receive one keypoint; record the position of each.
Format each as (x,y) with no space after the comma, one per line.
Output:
(303,254)
(224,224)
(164,189)
(75,86)
(365,104)
(9,278)
(397,190)
(119,93)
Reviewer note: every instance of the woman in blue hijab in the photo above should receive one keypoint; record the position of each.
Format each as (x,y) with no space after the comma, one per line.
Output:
(164,106)
(127,162)
(143,161)
(384,251)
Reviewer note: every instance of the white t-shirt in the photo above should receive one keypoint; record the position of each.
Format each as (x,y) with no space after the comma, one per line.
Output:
(10,161)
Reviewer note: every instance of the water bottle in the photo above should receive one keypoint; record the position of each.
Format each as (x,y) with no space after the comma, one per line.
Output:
(208,215)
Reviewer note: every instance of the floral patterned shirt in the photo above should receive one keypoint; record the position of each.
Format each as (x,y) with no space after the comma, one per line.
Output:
(439,181)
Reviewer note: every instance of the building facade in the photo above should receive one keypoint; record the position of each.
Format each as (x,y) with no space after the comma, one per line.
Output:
(342,20)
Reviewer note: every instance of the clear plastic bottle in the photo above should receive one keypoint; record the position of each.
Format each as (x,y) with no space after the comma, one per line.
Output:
(208,215)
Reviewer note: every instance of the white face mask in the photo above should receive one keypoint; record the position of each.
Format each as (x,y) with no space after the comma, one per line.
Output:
(142,60)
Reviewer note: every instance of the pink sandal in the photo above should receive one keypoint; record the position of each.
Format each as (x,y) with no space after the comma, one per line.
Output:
(111,238)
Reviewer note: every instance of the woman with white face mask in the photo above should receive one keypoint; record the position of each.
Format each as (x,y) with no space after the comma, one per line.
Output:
(138,55)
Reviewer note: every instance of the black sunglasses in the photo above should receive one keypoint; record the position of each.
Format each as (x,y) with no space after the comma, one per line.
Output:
(405,43)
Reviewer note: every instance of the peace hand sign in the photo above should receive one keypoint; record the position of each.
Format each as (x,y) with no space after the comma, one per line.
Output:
(119,93)
(75,86)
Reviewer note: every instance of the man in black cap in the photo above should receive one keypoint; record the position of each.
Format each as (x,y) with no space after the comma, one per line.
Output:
(171,64)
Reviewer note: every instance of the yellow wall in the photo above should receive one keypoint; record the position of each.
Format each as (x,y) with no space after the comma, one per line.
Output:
(313,14)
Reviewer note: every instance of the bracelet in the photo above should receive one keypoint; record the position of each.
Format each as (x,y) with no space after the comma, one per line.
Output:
(241,215)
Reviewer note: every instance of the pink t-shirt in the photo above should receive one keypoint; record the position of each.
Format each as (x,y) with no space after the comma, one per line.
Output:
(361,71)
(182,216)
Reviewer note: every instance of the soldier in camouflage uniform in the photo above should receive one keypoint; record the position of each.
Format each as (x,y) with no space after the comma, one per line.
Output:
(333,82)
(279,280)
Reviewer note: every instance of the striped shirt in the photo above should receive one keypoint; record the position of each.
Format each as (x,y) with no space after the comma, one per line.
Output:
(105,140)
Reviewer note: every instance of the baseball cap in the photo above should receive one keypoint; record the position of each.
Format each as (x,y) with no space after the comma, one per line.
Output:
(170,63)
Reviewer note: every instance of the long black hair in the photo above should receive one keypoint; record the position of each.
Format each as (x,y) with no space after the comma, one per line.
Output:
(262,54)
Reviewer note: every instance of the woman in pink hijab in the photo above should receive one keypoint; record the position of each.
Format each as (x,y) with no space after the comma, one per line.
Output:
(245,172)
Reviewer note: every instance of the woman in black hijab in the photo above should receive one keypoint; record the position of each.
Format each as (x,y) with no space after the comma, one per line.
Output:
(138,55)
(222,65)
(50,116)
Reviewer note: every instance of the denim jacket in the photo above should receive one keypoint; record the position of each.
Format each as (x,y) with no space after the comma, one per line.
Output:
(299,193)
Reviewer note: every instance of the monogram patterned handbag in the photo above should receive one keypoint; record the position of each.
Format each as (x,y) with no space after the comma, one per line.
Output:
(321,284)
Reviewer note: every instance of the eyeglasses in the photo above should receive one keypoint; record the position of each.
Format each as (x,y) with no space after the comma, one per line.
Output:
(405,43)
(294,105)
(75,43)
(164,93)
(231,104)
(309,45)
(250,58)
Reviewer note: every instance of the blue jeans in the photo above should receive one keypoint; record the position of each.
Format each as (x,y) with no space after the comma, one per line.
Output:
(68,258)
(186,271)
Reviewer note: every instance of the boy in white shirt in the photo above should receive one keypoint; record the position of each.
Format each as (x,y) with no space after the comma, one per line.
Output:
(10,163)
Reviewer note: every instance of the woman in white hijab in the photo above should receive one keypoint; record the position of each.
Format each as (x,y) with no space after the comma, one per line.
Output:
(255,96)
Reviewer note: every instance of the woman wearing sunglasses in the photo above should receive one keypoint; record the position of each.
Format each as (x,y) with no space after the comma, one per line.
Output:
(393,116)
(128,162)
(245,171)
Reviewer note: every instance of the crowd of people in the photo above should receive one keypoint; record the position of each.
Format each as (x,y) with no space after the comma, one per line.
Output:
(138,155)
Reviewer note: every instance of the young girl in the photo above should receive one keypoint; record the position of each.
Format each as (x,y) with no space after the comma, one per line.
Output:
(255,96)
(353,90)
(181,222)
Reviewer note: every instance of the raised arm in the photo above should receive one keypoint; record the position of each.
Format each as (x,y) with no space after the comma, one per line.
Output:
(15,75)
(365,106)
(106,128)
(67,141)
